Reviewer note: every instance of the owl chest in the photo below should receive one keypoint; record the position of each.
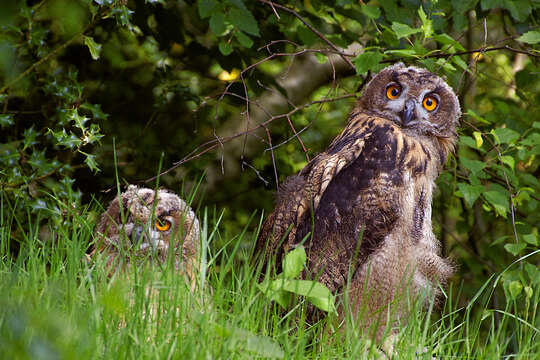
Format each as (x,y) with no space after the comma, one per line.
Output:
(382,189)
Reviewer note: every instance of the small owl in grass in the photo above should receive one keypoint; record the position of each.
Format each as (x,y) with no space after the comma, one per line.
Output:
(362,208)
(147,225)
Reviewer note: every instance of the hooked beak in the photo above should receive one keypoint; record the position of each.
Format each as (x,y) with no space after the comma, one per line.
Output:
(408,113)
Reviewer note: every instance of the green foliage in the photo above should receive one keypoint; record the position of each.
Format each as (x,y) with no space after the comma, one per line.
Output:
(84,81)
(285,285)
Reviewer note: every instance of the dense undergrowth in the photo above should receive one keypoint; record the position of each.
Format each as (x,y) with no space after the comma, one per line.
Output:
(57,305)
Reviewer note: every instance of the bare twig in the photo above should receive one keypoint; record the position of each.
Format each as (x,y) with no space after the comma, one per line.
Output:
(212,144)
(317,32)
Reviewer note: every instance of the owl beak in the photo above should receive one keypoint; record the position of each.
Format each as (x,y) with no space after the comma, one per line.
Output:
(408,113)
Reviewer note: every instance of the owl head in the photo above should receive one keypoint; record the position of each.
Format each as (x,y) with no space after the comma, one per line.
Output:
(150,225)
(418,101)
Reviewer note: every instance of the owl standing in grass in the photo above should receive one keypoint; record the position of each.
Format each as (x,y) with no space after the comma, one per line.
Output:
(362,208)
(146,225)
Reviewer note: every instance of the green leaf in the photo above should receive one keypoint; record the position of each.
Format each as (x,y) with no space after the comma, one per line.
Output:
(498,200)
(470,192)
(427,25)
(90,161)
(508,160)
(478,139)
(446,39)
(294,262)
(515,288)
(6,120)
(403,30)
(243,39)
(371,11)
(533,272)
(475,166)
(531,239)
(207,7)
(307,36)
(367,61)
(505,135)
(273,290)
(94,47)
(530,37)
(225,47)
(244,20)
(514,248)
(477,117)
(217,23)
(316,292)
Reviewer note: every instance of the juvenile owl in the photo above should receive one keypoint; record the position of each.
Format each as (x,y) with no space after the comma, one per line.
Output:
(149,226)
(362,208)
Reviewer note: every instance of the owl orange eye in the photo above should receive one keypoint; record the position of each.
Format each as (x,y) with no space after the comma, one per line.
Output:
(393,92)
(430,103)
(163,225)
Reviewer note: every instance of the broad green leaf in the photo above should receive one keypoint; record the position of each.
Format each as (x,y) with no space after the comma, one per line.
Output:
(470,192)
(468,141)
(477,117)
(530,37)
(475,166)
(367,61)
(312,290)
(498,200)
(514,248)
(225,47)
(515,288)
(261,345)
(371,11)
(403,53)
(207,7)
(307,36)
(403,30)
(294,262)
(273,290)
(533,272)
(531,239)
(508,160)
(93,47)
(445,39)
(505,135)
(243,39)
(244,20)
(217,23)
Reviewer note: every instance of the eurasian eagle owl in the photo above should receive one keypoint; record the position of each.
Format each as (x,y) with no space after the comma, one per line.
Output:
(149,226)
(362,208)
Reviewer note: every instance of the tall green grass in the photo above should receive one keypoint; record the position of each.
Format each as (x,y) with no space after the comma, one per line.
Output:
(57,305)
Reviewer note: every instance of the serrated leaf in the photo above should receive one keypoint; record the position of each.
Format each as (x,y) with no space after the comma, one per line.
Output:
(6,120)
(294,262)
(514,248)
(90,161)
(470,192)
(225,48)
(217,23)
(530,37)
(243,39)
(93,47)
(207,7)
(367,61)
(403,30)
(244,20)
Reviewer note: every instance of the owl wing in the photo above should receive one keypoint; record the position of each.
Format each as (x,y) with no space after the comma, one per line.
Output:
(300,194)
